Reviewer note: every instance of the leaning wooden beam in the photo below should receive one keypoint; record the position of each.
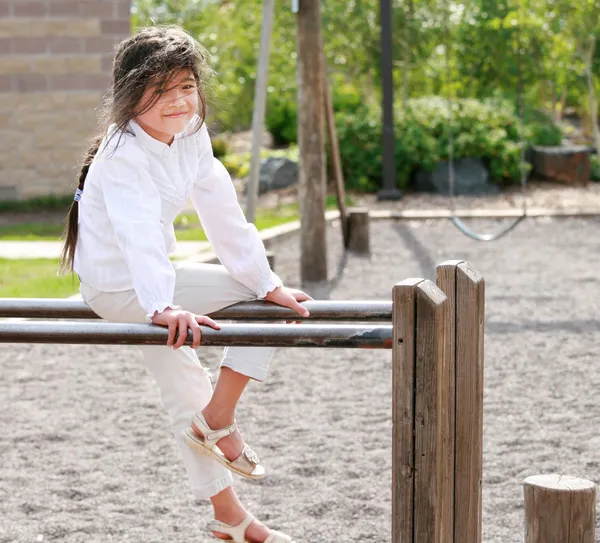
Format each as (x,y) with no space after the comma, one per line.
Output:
(241,335)
(53,308)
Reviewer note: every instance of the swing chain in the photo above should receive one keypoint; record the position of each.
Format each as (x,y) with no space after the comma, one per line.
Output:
(451,172)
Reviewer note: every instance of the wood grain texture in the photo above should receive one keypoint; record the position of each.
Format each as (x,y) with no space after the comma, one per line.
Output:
(432,401)
(404,296)
(470,302)
(311,136)
(559,509)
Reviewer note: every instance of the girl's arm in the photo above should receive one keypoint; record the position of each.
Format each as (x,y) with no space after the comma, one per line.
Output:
(134,208)
(236,242)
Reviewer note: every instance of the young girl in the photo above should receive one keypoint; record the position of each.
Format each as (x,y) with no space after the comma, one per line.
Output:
(153,154)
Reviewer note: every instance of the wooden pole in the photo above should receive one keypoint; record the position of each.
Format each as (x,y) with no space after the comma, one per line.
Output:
(313,246)
(422,395)
(258,115)
(404,322)
(559,509)
(334,153)
(432,402)
(466,287)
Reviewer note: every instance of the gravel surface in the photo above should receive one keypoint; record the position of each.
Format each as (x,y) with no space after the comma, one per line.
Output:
(86,454)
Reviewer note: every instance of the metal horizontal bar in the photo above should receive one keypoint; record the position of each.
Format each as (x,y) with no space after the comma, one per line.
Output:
(240,335)
(51,308)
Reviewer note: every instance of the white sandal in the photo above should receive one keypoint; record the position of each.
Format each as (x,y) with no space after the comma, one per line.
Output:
(238,533)
(202,438)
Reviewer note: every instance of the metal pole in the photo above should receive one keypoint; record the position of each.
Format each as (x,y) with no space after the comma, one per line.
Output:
(389,191)
(239,335)
(56,308)
(258,116)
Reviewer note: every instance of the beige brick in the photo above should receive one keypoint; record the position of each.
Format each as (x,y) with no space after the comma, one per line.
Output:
(85,100)
(50,64)
(117,27)
(10,102)
(99,44)
(28,120)
(18,139)
(15,65)
(5,83)
(49,27)
(28,45)
(28,83)
(84,64)
(100,10)
(64,8)
(65,45)
(29,9)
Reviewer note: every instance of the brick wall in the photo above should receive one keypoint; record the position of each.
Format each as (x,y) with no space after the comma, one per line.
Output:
(55,59)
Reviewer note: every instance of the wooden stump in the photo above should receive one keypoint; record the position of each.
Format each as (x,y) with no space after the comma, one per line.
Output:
(559,509)
(358,231)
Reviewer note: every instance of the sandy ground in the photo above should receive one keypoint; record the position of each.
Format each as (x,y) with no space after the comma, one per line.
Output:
(86,454)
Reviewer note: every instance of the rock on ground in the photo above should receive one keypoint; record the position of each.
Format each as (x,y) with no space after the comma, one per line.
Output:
(86,454)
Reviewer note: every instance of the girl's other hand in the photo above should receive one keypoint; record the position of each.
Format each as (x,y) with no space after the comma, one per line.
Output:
(179,320)
(289,297)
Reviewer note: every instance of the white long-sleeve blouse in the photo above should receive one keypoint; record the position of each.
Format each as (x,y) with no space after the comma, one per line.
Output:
(134,189)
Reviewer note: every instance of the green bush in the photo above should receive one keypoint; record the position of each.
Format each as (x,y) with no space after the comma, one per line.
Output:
(487,130)
(238,164)
(220,146)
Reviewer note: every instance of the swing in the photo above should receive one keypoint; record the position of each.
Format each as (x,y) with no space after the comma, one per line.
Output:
(457,221)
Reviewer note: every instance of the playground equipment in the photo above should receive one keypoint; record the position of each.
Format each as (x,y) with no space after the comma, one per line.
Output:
(435,333)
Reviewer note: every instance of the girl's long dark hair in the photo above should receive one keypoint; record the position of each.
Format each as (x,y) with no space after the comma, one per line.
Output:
(152,56)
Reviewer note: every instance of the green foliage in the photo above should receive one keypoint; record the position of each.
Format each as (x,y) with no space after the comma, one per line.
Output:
(487,130)
(219,146)
(238,164)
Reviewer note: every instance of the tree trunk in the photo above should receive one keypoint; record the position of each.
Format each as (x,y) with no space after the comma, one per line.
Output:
(311,128)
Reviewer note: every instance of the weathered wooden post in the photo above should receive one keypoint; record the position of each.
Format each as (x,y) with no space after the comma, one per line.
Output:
(358,230)
(311,142)
(559,509)
(421,401)
(465,289)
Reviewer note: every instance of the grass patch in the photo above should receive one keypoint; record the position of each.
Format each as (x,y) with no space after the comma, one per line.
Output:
(35,278)
(187,225)
(31,232)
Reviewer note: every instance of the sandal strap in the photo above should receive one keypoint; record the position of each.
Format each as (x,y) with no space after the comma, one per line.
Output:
(238,533)
(212,436)
(246,461)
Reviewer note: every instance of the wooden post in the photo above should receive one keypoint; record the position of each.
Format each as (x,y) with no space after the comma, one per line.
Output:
(432,403)
(358,230)
(258,115)
(559,509)
(421,396)
(313,247)
(466,286)
(334,153)
(404,320)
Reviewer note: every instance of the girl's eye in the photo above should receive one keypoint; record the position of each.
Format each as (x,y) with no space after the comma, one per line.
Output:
(189,87)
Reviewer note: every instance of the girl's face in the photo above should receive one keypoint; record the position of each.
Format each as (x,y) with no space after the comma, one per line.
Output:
(173,110)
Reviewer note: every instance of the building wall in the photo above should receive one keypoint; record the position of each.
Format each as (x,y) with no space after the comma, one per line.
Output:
(55,60)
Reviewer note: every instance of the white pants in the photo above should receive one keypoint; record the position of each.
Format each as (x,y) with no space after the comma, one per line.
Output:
(184,384)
